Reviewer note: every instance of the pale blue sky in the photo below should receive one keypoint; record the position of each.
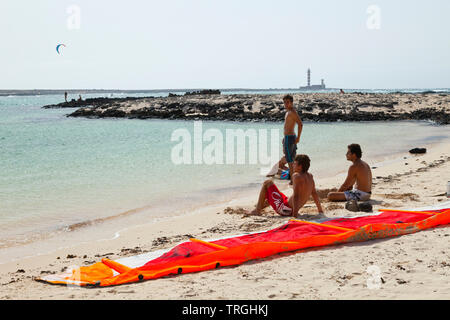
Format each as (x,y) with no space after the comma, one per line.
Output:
(224,44)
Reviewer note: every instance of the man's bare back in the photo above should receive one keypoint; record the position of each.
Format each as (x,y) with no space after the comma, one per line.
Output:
(358,184)
(363,175)
(304,187)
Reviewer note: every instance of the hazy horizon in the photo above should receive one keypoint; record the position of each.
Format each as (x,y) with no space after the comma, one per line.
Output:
(218,45)
(205,88)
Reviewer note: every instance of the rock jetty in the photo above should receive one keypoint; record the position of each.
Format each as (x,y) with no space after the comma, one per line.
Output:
(319,107)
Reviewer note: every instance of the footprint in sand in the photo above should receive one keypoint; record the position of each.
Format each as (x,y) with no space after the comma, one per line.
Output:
(229,210)
(402,196)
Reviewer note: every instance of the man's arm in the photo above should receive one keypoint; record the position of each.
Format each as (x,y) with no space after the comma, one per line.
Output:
(349,181)
(297,186)
(316,198)
(300,127)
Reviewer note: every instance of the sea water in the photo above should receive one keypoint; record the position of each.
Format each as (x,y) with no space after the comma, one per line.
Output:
(60,173)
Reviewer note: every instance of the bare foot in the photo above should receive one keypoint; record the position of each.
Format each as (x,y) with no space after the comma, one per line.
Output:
(253,213)
(306,216)
(321,215)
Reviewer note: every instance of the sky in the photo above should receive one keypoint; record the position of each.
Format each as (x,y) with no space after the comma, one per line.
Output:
(174,44)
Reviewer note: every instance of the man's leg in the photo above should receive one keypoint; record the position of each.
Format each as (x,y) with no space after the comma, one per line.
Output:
(336,196)
(291,171)
(291,150)
(286,156)
(262,202)
(281,165)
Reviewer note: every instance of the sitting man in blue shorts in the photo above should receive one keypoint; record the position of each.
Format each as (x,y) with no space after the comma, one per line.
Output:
(360,174)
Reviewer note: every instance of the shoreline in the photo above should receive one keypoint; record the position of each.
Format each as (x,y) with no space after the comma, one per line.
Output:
(101,214)
(37,92)
(208,222)
(108,225)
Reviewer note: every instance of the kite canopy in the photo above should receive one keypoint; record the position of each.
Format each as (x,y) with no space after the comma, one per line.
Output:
(197,255)
(59,46)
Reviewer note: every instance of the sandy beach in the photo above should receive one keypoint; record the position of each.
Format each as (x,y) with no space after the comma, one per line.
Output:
(135,138)
(415,266)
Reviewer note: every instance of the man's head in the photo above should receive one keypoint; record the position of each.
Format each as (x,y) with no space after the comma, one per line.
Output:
(288,101)
(354,152)
(301,163)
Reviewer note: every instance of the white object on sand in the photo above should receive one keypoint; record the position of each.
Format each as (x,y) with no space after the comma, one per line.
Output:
(273,171)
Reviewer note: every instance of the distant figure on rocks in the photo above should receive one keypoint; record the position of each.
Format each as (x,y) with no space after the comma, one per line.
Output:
(291,140)
(341,91)
(359,173)
(65,96)
(79,98)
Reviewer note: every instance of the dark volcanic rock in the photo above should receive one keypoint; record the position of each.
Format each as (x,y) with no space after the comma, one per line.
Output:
(440,117)
(388,105)
(91,102)
(264,107)
(418,150)
(209,91)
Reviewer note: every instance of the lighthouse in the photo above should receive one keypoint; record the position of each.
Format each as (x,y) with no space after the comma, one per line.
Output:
(309,77)
(320,86)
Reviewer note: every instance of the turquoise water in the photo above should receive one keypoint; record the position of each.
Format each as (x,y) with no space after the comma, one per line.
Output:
(59,171)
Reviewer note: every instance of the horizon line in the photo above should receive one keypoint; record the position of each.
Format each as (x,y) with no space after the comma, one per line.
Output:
(225,89)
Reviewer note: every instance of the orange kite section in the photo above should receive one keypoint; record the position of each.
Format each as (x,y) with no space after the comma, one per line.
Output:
(198,255)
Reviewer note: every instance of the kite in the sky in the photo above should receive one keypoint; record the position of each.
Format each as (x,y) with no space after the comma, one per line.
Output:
(59,46)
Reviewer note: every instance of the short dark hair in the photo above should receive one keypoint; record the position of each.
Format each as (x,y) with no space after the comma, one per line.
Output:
(355,149)
(288,97)
(304,161)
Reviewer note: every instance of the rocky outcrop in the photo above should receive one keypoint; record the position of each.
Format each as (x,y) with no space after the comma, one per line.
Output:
(93,102)
(325,107)
(418,151)
(208,91)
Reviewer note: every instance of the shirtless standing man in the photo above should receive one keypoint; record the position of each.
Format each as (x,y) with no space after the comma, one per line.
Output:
(304,187)
(291,140)
(359,173)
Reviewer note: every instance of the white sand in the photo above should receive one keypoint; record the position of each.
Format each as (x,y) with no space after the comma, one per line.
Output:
(415,266)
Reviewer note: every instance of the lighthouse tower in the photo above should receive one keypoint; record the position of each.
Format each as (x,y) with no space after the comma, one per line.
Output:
(320,86)
(309,77)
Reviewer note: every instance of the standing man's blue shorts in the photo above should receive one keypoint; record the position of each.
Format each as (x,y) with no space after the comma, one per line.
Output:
(289,148)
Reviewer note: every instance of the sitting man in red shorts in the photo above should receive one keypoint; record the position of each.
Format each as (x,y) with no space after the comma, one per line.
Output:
(304,188)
